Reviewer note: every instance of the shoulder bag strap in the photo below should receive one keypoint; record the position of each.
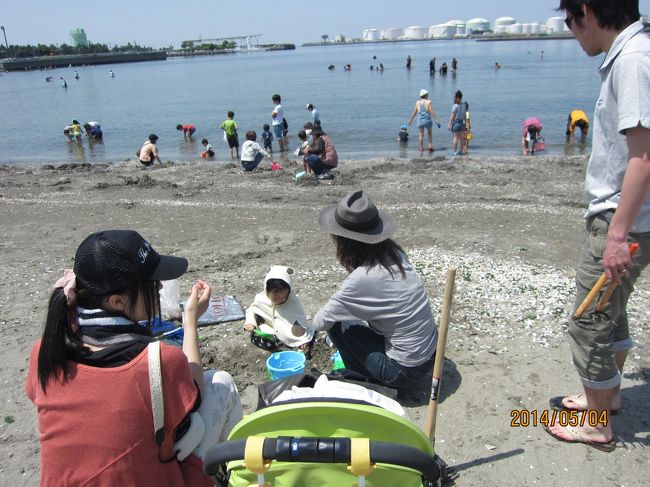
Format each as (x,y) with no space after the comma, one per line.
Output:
(156,387)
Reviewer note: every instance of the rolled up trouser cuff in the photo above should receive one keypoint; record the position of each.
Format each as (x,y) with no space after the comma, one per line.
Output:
(602,385)
(622,345)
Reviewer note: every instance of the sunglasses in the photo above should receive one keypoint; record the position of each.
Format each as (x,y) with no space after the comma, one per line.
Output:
(568,20)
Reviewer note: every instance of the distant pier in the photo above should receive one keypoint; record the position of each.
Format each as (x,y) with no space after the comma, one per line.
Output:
(42,62)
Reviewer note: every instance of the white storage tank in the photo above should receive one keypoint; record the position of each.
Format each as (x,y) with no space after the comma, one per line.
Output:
(555,24)
(477,25)
(504,21)
(515,29)
(371,35)
(442,31)
(458,25)
(526,28)
(534,28)
(416,32)
(392,33)
(500,29)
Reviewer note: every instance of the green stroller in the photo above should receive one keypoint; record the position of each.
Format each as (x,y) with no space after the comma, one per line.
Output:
(321,442)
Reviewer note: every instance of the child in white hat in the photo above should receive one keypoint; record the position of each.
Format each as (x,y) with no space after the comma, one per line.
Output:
(276,316)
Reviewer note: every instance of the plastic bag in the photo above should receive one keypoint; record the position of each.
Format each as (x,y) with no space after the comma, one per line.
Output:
(170,300)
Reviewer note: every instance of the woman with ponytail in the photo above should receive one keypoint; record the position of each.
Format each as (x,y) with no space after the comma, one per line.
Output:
(89,373)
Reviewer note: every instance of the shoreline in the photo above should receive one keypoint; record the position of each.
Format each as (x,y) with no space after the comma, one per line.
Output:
(511,225)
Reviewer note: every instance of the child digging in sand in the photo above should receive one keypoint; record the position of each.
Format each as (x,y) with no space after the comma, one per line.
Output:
(276,317)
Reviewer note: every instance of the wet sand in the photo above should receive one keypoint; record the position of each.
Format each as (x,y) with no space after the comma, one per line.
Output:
(511,225)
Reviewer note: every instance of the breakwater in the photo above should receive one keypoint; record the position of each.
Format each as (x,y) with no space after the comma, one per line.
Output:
(43,62)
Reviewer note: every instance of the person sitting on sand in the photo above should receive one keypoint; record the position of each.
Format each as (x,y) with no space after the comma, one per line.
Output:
(188,130)
(89,375)
(321,155)
(276,316)
(532,128)
(252,153)
(425,113)
(148,154)
(380,317)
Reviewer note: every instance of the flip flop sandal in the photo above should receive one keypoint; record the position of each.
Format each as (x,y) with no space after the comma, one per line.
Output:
(557,404)
(607,447)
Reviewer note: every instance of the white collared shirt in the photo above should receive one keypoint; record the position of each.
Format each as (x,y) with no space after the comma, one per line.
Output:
(623,103)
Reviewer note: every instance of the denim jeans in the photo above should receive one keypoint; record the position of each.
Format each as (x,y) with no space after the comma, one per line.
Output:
(250,165)
(316,164)
(364,351)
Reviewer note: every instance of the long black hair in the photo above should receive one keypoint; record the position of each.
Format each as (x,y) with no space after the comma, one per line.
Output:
(61,342)
(352,254)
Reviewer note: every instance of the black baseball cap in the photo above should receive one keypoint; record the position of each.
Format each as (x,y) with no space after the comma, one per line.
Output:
(113,260)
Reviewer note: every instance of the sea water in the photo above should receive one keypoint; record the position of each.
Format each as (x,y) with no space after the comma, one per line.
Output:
(361,109)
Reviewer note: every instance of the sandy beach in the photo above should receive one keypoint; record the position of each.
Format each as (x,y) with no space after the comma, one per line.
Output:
(512,227)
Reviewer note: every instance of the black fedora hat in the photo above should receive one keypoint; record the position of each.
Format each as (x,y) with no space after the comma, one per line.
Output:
(356,217)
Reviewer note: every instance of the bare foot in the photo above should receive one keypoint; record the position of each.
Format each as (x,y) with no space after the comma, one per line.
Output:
(596,437)
(578,402)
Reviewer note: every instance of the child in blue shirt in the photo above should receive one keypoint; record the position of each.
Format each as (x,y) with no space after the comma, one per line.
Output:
(267,138)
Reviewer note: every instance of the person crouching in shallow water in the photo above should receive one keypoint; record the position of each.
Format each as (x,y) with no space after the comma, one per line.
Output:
(380,318)
(89,374)
(577,118)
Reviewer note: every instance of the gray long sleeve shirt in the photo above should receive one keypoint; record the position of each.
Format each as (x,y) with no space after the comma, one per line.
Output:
(395,307)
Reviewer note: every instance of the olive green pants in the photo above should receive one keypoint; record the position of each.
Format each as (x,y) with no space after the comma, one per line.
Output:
(596,336)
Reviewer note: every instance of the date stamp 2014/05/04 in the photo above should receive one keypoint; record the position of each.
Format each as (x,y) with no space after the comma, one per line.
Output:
(523,418)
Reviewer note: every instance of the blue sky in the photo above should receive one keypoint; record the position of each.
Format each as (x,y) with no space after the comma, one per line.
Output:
(163,22)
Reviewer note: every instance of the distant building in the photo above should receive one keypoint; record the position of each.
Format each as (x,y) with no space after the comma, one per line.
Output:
(442,31)
(460,26)
(477,26)
(555,24)
(339,38)
(416,32)
(392,33)
(370,35)
(503,22)
(78,38)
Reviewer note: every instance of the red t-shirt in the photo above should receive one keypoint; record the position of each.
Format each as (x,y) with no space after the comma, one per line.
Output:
(96,429)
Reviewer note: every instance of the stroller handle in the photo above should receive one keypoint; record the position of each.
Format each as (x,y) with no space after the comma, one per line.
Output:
(324,450)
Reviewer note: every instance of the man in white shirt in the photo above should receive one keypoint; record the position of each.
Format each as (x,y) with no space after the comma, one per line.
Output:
(618,191)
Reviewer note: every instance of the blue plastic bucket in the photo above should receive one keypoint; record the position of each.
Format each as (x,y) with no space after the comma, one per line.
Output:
(284,364)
